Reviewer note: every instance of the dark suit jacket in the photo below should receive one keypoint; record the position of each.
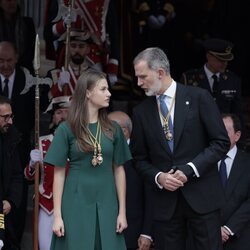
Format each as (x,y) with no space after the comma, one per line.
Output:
(228,97)
(21,32)
(199,137)
(236,210)
(11,182)
(11,172)
(138,207)
(23,108)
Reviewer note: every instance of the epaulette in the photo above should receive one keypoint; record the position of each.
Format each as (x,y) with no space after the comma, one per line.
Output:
(193,77)
(2,221)
(225,75)
(143,7)
(169,8)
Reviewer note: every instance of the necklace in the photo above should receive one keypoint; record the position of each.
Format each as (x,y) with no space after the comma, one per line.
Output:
(166,129)
(97,158)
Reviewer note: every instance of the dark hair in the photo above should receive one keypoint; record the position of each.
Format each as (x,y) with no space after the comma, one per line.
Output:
(235,119)
(4,100)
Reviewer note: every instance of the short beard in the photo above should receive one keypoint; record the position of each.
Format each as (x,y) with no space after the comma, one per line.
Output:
(155,89)
(78,60)
(4,129)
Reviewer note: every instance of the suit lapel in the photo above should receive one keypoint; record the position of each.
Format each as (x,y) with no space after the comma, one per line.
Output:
(235,174)
(182,105)
(19,83)
(203,83)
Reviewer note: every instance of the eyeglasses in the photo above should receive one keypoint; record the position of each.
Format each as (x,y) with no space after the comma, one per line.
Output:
(7,117)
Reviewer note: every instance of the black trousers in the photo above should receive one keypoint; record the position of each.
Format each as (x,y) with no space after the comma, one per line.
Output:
(175,233)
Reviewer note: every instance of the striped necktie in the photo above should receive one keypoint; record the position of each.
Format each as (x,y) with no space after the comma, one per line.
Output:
(164,111)
(223,171)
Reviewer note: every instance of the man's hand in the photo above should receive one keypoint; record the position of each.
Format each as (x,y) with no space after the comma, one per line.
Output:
(6,207)
(185,169)
(1,244)
(144,243)
(169,181)
(225,234)
(179,175)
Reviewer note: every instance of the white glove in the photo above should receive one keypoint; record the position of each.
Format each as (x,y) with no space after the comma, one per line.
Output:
(35,156)
(161,20)
(1,244)
(112,79)
(156,23)
(64,78)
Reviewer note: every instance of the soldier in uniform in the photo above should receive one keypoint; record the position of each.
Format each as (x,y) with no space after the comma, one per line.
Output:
(79,48)
(59,110)
(98,17)
(153,19)
(223,84)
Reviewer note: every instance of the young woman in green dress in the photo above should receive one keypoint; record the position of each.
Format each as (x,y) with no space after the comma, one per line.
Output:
(89,204)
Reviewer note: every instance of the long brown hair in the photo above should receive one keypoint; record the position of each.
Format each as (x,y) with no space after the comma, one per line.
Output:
(78,115)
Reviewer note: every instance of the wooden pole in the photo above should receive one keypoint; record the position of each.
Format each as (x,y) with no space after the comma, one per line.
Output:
(36,65)
(67,44)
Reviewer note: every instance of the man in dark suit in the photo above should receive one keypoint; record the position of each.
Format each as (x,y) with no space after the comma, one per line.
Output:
(22,104)
(12,83)
(11,175)
(176,150)
(235,228)
(138,235)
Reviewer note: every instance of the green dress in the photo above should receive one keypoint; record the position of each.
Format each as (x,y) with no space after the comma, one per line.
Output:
(89,201)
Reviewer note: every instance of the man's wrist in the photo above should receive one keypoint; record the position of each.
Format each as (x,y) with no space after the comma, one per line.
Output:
(147,236)
(229,230)
(156,180)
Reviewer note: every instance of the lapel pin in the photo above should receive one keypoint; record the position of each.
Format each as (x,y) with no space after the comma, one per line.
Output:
(187,102)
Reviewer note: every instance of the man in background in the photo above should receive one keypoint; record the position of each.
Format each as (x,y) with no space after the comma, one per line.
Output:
(65,80)
(235,176)
(223,84)
(11,177)
(138,235)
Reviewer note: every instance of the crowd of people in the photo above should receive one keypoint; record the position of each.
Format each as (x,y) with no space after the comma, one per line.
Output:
(172,174)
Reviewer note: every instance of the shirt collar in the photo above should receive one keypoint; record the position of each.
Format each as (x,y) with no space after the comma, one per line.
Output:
(210,73)
(11,77)
(170,91)
(232,152)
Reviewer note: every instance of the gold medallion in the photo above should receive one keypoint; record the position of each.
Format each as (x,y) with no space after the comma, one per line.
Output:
(94,161)
(99,159)
(169,136)
(96,142)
